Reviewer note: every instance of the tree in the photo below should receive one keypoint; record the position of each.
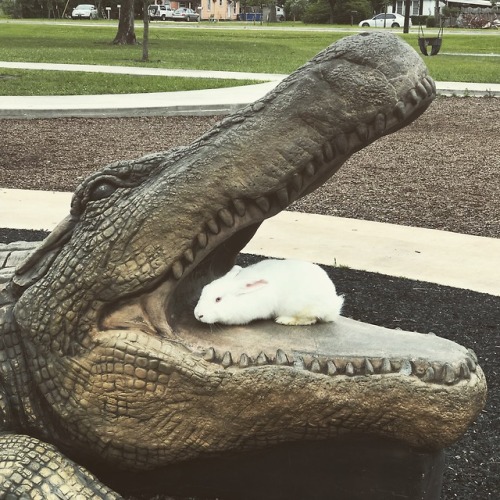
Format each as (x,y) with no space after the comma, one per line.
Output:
(145,39)
(126,28)
(296,8)
(272,12)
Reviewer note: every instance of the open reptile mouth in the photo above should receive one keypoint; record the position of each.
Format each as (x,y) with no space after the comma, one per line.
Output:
(328,349)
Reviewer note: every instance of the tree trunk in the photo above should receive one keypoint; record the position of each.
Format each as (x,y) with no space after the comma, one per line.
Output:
(332,3)
(272,13)
(126,29)
(145,38)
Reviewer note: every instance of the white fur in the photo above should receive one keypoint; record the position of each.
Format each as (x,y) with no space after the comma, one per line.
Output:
(289,291)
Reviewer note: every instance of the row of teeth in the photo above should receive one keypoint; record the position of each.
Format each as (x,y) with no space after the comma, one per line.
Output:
(340,147)
(440,373)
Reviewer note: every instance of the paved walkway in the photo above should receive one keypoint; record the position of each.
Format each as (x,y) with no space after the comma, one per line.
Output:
(195,102)
(436,256)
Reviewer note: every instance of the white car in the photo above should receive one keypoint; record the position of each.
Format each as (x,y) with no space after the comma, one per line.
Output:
(84,11)
(162,12)
(389,20)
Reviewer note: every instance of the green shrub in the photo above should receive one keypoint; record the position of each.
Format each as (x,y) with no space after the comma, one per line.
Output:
(317,13)
(342,11)
(431,22)
(419,20)
(295,9)
(12,9)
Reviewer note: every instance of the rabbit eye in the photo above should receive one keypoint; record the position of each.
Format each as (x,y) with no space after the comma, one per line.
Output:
(218,299)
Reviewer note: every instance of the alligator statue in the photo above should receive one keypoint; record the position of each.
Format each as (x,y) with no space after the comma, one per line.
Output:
(102,361)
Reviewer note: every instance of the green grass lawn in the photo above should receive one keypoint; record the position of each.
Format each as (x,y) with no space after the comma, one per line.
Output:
(31,82)
(203,47)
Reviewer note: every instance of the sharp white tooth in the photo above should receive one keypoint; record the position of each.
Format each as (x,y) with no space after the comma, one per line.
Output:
(189,255)
(449,375)
(400,110)
(227,360)
(262,359)
(213,227)
(283,198)
(310,170)
(405,368)
(363,132)
(349,369)
(471,364)
(369,370)
(210,354)
(177,269)
(414,97)
(263,204)
(202,240)
(239,206)
(226,217)
(341,143)
(464,370)
(298,363)
(281,358)
(315,366)
(328,151)
(244,361)
(386,366)
(429,375)
(331,369)
(472,354)
(297,181)
(380,123)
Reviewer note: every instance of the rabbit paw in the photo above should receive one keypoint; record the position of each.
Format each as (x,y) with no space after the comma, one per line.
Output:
(295,320)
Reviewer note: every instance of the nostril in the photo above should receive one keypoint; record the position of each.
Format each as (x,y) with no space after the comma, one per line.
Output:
(200,316)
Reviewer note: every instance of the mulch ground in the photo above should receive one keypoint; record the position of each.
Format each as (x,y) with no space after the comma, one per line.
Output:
(442,172)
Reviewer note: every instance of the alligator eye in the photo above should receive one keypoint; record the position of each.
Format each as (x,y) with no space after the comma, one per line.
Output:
(101,191)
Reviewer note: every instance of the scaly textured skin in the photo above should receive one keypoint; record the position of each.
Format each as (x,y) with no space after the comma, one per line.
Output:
(101,354)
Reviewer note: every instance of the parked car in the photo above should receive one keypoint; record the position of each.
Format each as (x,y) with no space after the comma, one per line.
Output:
(184,14)
(160,12)
(84,11)
(389,20)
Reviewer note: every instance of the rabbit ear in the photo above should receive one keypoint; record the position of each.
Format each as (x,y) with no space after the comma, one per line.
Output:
(234,272)
(252,286)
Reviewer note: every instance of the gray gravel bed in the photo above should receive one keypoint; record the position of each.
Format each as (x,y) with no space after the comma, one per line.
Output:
(441,172)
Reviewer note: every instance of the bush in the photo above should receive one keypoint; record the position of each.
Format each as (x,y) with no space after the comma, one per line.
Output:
(12,9)
(317,13)
(295,9)
(342,11)
(431,22)
(419,20)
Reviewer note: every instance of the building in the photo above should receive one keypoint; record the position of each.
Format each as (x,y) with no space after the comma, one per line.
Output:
(216,10)
(428,7)
(219,10)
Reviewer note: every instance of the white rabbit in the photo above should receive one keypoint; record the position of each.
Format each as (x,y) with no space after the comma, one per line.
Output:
(289,291)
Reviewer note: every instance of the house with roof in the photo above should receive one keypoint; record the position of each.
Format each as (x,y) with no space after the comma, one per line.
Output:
(428,7)
(216,10)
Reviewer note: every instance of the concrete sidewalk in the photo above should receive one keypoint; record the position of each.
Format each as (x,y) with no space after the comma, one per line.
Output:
(195,102)
(452,259)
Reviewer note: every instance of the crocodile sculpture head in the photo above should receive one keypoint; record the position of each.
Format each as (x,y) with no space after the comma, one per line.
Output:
(104,309)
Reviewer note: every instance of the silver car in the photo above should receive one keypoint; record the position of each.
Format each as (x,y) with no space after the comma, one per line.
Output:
(84,11)
(389,20)
(185,14)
